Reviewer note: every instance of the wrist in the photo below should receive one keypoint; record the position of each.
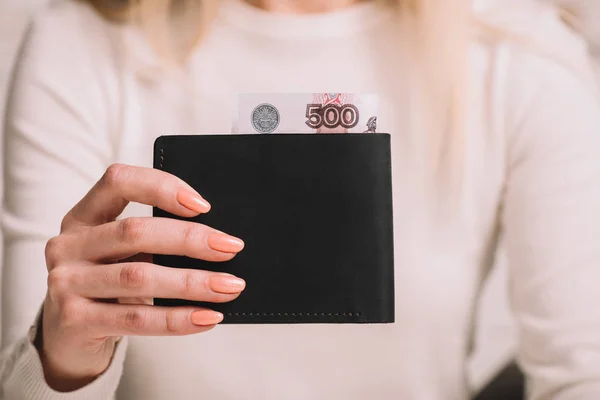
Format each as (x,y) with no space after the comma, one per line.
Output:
(62,381)
(62,377)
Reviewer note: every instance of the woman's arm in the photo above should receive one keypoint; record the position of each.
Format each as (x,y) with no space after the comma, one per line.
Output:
(57,145)
(551,218)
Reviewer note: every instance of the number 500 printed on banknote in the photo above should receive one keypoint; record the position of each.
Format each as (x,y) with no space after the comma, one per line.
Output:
(307,113)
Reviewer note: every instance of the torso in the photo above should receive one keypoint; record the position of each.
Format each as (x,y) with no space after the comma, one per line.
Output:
(439,266)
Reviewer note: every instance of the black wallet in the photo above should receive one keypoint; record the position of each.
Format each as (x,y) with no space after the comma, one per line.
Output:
(315,212)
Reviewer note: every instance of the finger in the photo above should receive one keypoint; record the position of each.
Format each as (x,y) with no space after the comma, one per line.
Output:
(122,184)
(151,280)
(142,320)
(118,240)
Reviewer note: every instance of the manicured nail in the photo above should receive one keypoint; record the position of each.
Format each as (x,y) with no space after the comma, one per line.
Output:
(226,284)
(224,243)
(193,201)
(206,317)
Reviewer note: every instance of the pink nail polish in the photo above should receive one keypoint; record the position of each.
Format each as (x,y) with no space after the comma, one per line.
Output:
(193,201)
(206,317)
(225,243)
(226,284)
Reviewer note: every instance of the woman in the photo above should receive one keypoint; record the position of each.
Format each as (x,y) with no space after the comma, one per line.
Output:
(489,137)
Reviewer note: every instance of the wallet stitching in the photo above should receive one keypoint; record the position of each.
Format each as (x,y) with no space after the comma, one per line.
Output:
(162,157)
(265,314)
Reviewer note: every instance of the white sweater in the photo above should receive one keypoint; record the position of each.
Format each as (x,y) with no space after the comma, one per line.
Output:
(532,151)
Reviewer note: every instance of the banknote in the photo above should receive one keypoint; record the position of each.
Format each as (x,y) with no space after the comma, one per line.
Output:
(307,113)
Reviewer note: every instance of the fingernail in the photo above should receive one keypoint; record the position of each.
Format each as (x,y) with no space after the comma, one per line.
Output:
(193,201)
(225,243)
(206,317)
(226,284)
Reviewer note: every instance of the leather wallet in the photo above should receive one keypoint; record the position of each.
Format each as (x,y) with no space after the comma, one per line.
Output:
(314,211)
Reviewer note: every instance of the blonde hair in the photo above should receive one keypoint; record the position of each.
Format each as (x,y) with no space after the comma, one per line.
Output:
(438,33)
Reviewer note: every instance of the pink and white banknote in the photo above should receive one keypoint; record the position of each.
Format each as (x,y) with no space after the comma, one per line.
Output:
(307,113)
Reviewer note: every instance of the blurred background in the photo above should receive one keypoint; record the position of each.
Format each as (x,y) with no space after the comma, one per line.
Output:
(492,371)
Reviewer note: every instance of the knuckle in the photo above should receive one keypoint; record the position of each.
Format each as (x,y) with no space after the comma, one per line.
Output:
(191,233)
(66,222)
(71,314)
(133,320)
(132,276)
(192,285)
(59,281)
(131,230)
(165,186)
(171,323)
(54,251)
(113,175)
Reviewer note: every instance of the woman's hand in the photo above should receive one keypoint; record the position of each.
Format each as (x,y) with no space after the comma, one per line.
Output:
(101,281)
